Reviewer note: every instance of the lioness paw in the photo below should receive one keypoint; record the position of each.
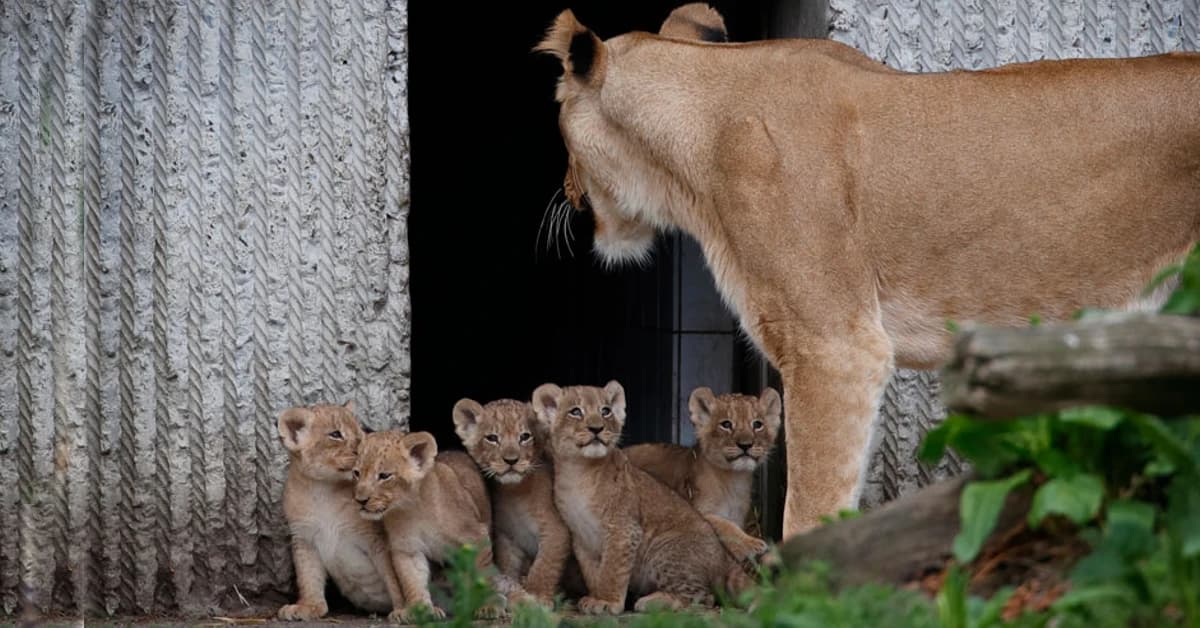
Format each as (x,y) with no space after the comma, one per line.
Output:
(416,613)
(305,611)
(589,605)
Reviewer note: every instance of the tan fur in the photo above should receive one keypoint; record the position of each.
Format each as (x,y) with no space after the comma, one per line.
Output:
(734,435)
(630,533)
(848,210)
(328,536)
(532,542)
(696,21)
(429,503)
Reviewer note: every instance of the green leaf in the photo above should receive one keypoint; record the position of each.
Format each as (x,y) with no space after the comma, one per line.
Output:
(1129,527)
(1035,320)
(1105,564)
(1166,443)
(991,614)
(1183,513)
(952,599)
(1099,417)
(933,446)
(979,507)
(1089,596)
(1077,497)
(1163,275)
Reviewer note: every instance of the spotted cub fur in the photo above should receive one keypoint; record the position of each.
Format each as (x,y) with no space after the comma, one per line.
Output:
(532,544)
(734,435)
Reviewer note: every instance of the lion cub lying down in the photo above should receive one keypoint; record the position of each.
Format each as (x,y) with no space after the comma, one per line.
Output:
(629,531)
(532,544)
(734,434)
(328,535)
(428,502)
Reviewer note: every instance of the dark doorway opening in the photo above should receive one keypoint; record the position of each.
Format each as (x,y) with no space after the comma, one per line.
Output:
(494,313)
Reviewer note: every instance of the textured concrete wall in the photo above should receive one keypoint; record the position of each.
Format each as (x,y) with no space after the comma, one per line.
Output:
(202,221)
(938,35)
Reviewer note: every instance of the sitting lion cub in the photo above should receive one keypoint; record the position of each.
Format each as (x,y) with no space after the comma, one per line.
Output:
(629,531)
(429,503)
(328,536)
(532,542)
(734,434)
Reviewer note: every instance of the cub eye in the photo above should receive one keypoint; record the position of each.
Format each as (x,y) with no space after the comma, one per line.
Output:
(758,425)
(336,435)
(726,425)
(606,412)
(576,412)
(525,436)
(385,476)
(354,473)
(492,438)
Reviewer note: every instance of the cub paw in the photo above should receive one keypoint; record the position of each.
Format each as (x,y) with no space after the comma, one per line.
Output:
(304,611)
(416,613)
(491,611)
(657,602)
(589,605)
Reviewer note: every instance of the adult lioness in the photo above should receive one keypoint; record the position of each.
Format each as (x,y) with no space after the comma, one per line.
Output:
(848,210)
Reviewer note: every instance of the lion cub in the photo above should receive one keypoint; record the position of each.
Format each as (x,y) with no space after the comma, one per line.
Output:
(629,531)
(429,503)
(532,544)
(734,434)
(328,536)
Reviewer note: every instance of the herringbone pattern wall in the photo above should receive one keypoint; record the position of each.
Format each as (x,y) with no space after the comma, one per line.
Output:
(202,222)
(940,35)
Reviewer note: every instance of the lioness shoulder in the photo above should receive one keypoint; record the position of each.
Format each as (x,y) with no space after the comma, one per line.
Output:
(532,544)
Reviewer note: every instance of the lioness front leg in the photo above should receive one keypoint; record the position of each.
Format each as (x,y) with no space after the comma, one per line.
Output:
(310,580)
(832,389)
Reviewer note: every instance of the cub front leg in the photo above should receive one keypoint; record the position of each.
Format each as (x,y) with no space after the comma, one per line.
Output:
(412,570)
(310,580)
(832,389)
(554,548)
(607,596)
(736,541)
(383,566)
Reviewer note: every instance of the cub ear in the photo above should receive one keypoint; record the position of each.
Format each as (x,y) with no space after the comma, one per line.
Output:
(422,450)
(696,21)
(701,404)
(545,403)
(466,418)
(583,55)
(349,405)
(294,427)
(614,394)
(771,405)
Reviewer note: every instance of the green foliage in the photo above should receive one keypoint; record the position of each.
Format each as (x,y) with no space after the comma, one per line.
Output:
(1186,298)
(980,506)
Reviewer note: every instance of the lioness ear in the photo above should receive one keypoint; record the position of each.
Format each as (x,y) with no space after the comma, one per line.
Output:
(614,394)
(294,426)
(545,403)
(700,404)
(466,418)
(422,450)
(696,21)
(771,406)
(583,55)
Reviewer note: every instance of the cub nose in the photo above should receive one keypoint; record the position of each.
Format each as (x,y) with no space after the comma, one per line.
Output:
(362,501)
(745,447)
(596,429)
(511,461)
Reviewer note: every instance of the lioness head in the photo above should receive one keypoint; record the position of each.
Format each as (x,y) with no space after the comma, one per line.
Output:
(390,468)
(583,421)
(322,440)
(735,431)
(626,189)
(501,437)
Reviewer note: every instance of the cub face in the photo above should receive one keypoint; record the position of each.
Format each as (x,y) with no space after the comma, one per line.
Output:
(502,437)
(323,440)
(583,421)
(735,431)
(390,468)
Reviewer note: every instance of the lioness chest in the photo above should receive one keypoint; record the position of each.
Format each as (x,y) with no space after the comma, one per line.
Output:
(328,519)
